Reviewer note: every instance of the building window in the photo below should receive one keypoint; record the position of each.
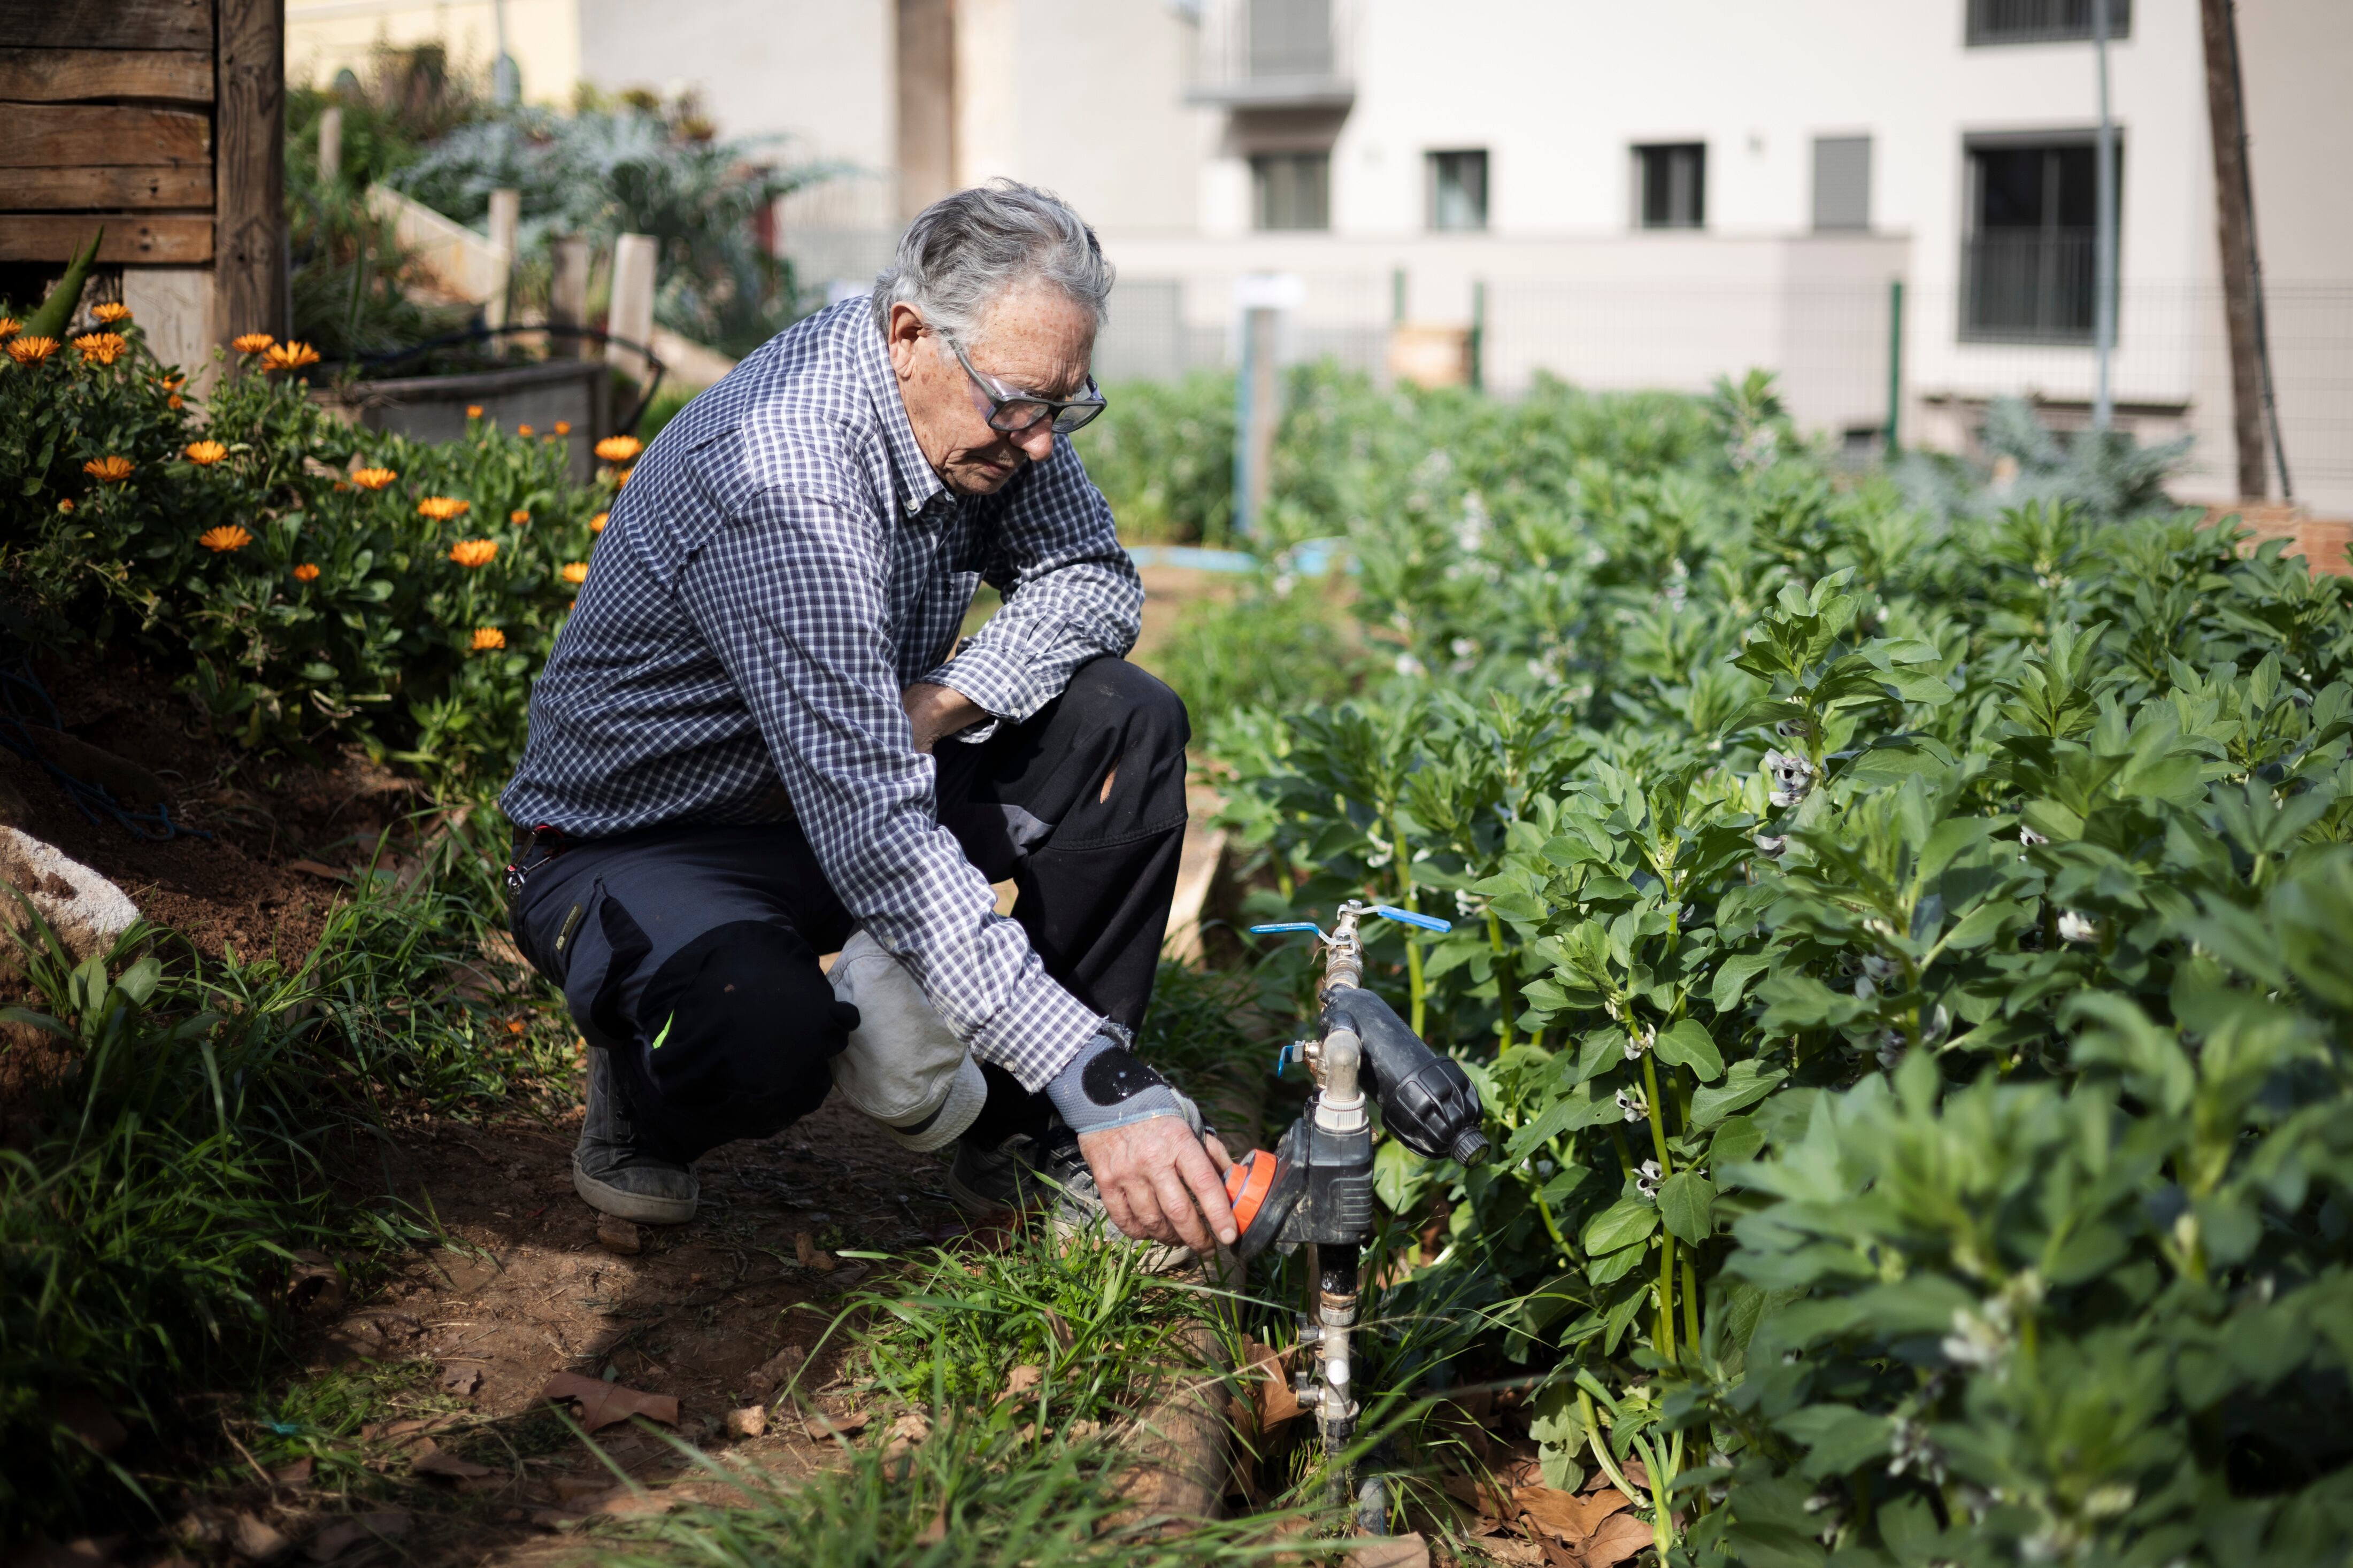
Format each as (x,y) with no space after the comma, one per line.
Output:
(1292,190)
(2027,269)
(1841,183)
(2041,21)
(1670,182)
(1458,190)
(1289,39)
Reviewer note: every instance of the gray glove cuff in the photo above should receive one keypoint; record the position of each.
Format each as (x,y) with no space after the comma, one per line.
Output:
(1105,1086)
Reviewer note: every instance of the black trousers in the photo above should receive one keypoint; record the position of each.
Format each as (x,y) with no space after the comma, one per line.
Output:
(690,953)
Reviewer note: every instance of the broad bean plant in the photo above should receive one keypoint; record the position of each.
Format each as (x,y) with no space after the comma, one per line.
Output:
(1901,957)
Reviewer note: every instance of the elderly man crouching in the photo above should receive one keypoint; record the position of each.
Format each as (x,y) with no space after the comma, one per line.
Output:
(758,740)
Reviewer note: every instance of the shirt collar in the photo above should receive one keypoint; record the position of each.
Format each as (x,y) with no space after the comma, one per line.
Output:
(917,483)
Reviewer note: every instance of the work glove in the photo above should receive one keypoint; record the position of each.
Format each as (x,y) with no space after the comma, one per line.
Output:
(1105,1086)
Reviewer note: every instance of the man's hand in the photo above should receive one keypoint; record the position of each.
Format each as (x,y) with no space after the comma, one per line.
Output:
(938,711)
(1158,1181)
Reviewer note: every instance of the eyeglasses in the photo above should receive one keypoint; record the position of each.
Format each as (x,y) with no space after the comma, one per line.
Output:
(1014,412)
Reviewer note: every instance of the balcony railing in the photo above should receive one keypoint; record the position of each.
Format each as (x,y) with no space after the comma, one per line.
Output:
(2032,286)
(1275,54)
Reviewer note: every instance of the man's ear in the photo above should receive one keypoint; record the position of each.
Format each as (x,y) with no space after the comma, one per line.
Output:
(902,335)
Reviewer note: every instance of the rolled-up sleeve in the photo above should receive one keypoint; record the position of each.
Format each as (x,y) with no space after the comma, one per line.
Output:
(1070,595)
(790,590)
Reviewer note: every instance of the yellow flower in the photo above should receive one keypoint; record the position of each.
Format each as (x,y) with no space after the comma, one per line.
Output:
(290,356)
(31,350)
(621,476)
(488,639)
(306,572)
(66,505)
(525,430)
(102,348)
(10,326)
(442,509)
(474,411)
(224,538)
(518,517)
(563,427)
(375,478)
(575,572)
(251,343)
(107,470)
(204,454)
(597,523)
(473,553)
(113,313)
(619,449)
(170,383)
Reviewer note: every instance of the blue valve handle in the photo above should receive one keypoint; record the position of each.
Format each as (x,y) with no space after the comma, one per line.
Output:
(1286,925)
(1407,916)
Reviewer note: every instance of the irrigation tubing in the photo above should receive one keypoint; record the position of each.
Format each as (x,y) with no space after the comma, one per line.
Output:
(18,685)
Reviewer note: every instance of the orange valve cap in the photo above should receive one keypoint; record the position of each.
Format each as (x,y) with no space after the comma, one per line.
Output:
(1247,1184)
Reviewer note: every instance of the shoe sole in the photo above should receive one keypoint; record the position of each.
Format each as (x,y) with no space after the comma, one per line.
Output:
(637,1208)
(974,1205)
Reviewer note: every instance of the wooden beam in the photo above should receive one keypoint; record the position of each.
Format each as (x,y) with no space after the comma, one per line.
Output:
(180,237)
(104,188)
(249,269)
(107,24)
(62,76)
(69,135)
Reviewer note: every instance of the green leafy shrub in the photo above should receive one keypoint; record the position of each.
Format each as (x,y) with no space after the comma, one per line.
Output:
(315,581)
(1753,791)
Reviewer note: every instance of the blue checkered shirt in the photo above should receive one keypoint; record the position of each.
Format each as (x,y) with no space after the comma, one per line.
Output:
(781,564)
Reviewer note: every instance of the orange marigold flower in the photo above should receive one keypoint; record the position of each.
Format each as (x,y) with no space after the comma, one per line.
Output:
(31,350)
(66,505)
(290,356)
(306,572)
(488,639)
(443,509)
(341,486)
(113,312)
(619,449)
(525,430)
(204,454)
(575,572)
(224,538)
(171,383)
(518,517)
(621,476)
(563,427)
(373,479)
(251,343)
(107,470)
(173,401)
(10,326)
(474,411)
(102,348)
(597,523)
(473,553)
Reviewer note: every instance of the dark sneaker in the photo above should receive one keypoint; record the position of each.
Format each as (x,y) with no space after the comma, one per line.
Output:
(613,1175)
(1077,1212)
(989,1182)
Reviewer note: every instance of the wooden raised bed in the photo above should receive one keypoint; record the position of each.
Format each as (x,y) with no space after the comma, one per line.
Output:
(577,392)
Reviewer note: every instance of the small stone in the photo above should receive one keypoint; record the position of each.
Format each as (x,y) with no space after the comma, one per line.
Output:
(617,1234)
(254,1538)
(805,1249)
(748,1422)
(776,1374)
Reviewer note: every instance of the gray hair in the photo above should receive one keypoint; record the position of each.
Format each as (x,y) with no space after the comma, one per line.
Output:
(964,251)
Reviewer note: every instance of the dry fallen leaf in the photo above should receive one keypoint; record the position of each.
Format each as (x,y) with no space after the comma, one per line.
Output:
(935,1532)
(805,1249)
(840,1428)
(1507,1549)
(1620,1537)
(255,1539)
(1484,1496)
(1565,1514)
(905,1433)
(337,1538)
(619,1235)
(1270,1388)
(602,1404)
(1391,1552)
(776,1372)
(432,1459)
(462,1381)
(1020,1381)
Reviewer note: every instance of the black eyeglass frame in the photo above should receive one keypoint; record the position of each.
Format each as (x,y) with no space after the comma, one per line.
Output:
(1000,395)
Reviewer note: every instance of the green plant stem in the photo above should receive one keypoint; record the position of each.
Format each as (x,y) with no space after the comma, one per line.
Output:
(1504,1002)
(1666,1335)
(1601,1448)
(1691,1302)
(1657,1118)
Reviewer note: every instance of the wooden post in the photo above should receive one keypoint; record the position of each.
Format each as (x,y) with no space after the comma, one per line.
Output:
(331,143)
(567,297)
(506,224)
(2235,224)
(249,160)
(632,316)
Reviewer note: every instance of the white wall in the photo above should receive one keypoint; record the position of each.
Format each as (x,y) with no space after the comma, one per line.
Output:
(323,37)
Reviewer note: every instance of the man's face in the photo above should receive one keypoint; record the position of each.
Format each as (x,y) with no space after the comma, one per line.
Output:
(1035,339)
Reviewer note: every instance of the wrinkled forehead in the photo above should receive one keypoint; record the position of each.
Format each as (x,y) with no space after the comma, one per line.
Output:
(1035,338)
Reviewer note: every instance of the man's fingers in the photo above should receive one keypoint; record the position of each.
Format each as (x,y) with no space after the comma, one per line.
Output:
(1217,1155)
(1144,1202)
(1178,1205)
(1210,1190)
(1117,1206)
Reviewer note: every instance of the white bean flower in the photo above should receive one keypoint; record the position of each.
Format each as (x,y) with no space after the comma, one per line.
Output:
(1790,776)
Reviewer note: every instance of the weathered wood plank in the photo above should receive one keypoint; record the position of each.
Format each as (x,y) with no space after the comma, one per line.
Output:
(63,76)
(107,24)
(249,271)
(83,135)
(130,236)
(57,189)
